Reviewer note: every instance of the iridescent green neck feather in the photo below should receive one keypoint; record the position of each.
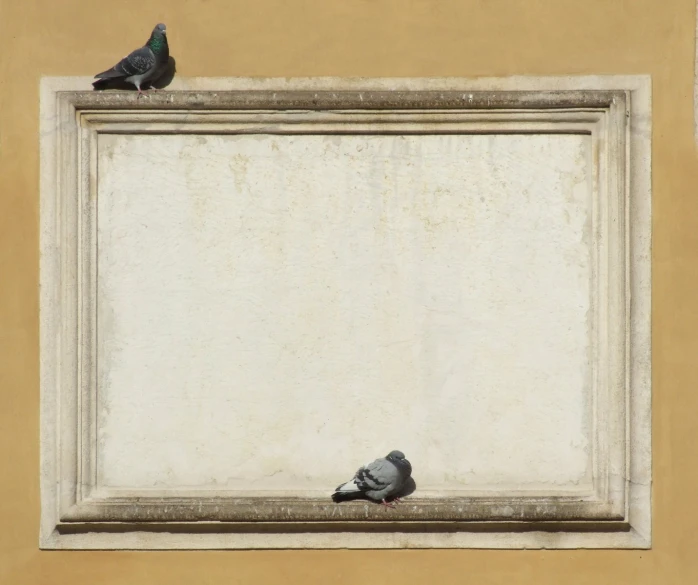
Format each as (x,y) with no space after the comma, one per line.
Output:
(157,42)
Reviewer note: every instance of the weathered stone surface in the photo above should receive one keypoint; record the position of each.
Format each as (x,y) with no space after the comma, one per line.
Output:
(248,293)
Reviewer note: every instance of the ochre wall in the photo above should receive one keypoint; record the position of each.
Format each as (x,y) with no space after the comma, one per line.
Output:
(358,38)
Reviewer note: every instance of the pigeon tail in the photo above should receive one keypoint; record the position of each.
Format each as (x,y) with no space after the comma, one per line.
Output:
(109,74)
(350,486)
(345,496)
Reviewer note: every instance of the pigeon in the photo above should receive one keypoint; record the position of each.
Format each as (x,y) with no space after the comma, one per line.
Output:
(381,479)
(142,65)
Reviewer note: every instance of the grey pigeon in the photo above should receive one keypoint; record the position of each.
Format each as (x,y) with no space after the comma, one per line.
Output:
(381,479)
(142,65)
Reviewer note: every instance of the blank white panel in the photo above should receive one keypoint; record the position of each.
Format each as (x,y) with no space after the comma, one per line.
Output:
(275,310)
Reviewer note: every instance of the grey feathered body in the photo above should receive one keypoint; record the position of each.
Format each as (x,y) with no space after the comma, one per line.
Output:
(378,480)
(142,65)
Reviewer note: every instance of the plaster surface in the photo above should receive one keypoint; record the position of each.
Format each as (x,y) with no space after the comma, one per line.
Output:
(274,311)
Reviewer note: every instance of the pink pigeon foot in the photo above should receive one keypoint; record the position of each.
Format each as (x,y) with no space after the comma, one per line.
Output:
(387,504)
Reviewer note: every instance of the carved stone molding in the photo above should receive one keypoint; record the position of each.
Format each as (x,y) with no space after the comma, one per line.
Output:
(81,134)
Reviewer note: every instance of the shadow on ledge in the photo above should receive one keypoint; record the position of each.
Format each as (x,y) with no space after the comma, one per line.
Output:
(119,84)
(408,489)
(337,526)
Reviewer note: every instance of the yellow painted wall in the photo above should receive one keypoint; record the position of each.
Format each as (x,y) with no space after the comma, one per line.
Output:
(358,38)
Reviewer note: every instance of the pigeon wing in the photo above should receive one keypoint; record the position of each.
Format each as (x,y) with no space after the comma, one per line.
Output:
(375,476)
(137,62)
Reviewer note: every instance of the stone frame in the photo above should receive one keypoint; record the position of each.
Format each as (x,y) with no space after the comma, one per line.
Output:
(76,513)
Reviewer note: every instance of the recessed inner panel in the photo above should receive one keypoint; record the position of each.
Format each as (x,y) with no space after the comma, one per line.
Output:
(276,310)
